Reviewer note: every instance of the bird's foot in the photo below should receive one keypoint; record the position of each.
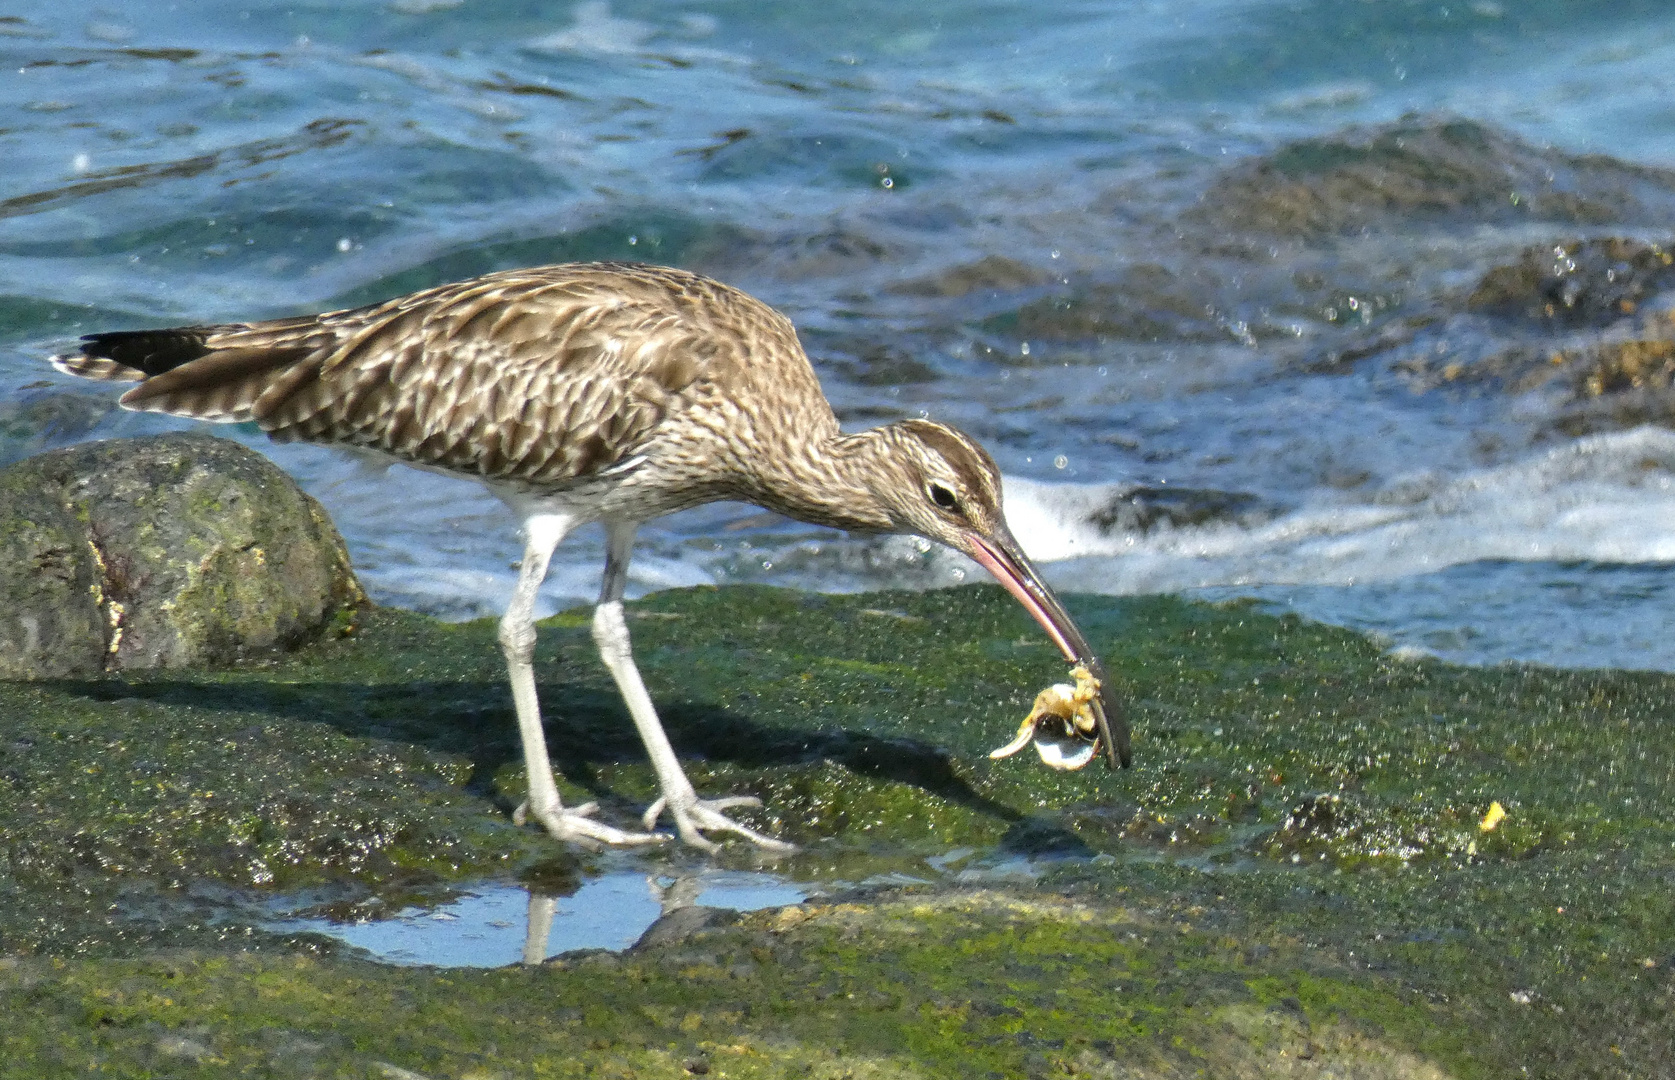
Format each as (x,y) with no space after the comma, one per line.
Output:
(694,816)
(576,824)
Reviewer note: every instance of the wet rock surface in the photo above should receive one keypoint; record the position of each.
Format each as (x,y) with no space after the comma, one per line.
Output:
(991,273)
(161,552)
(1146,303)
(1140,510)
(31,423)
(1443,252)
(1300,876)
(1422,169)
(1577,282)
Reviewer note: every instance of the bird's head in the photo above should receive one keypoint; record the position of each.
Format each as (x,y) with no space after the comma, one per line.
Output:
(937,482)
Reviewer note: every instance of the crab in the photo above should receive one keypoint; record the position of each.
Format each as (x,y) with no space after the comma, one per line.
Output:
(1061,724)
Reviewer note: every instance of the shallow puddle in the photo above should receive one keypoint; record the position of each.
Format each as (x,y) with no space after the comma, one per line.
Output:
(503,923)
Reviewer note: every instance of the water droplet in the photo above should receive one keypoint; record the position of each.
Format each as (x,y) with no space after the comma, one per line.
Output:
(1055,253)
(1023,349)
(886,183)
(345,244)
(1060,462)
(632,240)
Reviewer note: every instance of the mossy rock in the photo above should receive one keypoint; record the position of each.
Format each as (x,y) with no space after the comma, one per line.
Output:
(168,551)
(1298,877)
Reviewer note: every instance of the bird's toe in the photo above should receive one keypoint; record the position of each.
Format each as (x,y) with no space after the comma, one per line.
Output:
(653,812)
(733,800)
(575,824)
(705,815)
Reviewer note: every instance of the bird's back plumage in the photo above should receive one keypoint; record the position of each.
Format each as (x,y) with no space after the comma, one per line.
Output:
(540,376)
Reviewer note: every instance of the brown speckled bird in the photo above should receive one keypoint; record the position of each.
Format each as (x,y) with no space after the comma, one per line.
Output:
(594,392)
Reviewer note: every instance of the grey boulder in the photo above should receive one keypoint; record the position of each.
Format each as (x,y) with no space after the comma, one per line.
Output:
(167,551)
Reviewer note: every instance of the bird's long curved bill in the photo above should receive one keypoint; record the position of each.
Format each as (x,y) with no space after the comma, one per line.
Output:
(1001,556)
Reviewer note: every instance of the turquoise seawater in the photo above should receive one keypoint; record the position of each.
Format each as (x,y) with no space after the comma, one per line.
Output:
(915,184)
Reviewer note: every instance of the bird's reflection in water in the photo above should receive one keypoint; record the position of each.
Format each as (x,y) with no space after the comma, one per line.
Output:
(672,893)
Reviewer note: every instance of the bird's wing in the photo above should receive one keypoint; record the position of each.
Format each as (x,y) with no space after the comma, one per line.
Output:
(532,375)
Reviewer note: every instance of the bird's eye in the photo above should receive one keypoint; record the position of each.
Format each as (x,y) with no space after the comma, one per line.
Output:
(942,497)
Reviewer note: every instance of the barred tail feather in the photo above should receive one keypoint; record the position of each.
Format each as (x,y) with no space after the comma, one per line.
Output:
(221,387)
(96,367)
(152,352)
(180,372)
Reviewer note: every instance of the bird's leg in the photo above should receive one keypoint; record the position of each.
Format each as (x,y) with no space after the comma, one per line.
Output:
(542,532)
(535,937)
(610,631)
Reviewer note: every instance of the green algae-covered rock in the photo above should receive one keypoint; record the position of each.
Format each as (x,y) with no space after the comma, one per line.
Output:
(1300,877)
(160,552)
(966,986)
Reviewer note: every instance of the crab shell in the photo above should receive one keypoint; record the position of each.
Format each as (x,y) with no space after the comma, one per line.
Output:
(1060,724)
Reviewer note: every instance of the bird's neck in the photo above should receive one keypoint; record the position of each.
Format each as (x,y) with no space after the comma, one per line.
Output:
(825,480)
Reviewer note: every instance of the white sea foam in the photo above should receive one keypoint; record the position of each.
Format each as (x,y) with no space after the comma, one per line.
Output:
(1605,498)
(596,31)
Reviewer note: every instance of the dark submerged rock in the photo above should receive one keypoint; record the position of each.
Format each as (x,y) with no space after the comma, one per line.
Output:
(1147,302)
(1343,208)
(991,273)
(162,552)
(36,420)
(1577,282)
(878,364)
(1144,509)
(1596,381)
(1419,168)
(1618,384)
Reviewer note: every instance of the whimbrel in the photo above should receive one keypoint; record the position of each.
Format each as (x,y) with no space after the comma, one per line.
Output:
(588,392)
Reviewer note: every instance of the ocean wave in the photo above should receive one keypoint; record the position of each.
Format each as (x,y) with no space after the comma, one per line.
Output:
(1605,498)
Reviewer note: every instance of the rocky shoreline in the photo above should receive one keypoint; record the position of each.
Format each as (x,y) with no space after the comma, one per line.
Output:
(1295,879)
